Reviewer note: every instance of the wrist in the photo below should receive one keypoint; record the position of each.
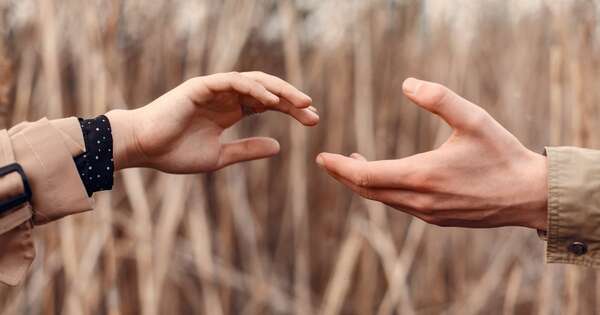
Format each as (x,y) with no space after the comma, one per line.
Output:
(537,211)
(124,141)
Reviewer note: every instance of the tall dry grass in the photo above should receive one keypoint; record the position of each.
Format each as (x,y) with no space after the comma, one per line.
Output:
(279,236)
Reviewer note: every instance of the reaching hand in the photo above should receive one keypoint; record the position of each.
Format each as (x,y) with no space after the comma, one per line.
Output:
(482,176)
(180,131)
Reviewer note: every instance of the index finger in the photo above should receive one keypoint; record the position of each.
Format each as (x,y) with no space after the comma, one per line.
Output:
(202,89)
(291,100)
(225,82)
(440,100)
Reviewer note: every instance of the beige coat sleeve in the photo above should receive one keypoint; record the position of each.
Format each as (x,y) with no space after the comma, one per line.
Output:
(45,150)
(573,234)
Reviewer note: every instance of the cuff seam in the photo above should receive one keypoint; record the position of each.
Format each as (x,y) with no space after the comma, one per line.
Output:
(553,204)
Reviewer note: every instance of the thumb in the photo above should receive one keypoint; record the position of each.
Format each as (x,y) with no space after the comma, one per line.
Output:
(246,150)
(438,99)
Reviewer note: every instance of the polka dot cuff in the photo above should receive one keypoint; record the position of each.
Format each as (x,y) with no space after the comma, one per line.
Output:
(96,165)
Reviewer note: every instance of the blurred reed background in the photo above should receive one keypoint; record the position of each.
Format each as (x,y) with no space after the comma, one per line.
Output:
(279,236)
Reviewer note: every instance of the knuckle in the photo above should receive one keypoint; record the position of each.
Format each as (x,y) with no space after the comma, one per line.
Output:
(220,75)
(425,180)
(257,73)
(233,76)
(363,179)
(194,81)
(213,78)
(478,119)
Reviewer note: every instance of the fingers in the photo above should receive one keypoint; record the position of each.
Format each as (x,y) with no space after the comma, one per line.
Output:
(408,173)
(281,88)
(226,82)
(246,150)
(292,101)
(259,91)
(438,99)
(306,116)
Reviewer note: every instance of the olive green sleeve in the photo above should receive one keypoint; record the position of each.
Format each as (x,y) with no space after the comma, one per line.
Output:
(573,234)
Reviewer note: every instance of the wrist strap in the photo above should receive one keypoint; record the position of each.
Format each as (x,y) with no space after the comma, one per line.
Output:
(16,191)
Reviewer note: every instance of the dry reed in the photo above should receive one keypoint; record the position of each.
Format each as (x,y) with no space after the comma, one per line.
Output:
(279,236)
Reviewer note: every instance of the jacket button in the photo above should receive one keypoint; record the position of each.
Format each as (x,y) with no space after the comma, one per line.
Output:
(577,248)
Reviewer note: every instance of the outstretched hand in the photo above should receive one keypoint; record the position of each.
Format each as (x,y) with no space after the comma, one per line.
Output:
(482,176)
(180,131)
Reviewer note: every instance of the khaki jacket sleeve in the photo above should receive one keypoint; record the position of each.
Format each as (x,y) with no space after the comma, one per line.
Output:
(45,150)
(573,234)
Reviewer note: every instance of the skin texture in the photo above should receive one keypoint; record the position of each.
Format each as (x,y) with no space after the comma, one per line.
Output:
(481,177)
(180,131)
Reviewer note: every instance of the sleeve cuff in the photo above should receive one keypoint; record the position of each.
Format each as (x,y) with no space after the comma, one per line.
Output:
(45,149)
(573,234)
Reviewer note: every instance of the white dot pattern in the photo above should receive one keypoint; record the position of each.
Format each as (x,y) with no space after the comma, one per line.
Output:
(97,170)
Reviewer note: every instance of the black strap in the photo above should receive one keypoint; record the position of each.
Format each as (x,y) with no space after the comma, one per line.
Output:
(11,203)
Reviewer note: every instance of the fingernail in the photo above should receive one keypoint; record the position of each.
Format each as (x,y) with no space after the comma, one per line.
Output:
(320,161)
(314,115)
(411,85)
(308,98)
(312,108)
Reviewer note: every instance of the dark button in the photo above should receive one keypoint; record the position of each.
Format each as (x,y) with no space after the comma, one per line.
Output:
(577,248)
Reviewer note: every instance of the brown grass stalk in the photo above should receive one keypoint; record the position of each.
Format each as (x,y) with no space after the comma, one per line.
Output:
(279,236)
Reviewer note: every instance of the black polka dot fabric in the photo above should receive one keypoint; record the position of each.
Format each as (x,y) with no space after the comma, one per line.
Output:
(96,166)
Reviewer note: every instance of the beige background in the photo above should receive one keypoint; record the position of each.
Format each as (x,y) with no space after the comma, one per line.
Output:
(278,236)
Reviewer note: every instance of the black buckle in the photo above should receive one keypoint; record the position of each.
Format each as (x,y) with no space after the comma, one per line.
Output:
(6,205)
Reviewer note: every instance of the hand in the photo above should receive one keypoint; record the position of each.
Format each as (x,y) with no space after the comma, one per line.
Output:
(180,131)
(481,177)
